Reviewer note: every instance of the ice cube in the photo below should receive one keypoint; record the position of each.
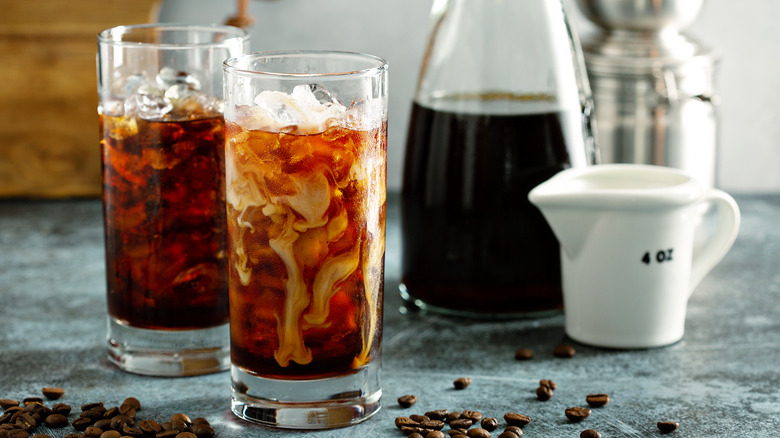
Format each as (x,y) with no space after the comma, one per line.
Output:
(168,77)
(132,83)
(148,103)
(302,110)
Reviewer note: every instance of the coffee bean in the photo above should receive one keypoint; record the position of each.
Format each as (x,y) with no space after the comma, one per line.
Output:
(454,415)
(508,434)
(26,421)
(462,383)
(418,418)
(89,406)
(408,430)
(61,408)
(93,432)
(577,413)
(6,403)
(132,431)
(590,433)
(94,414)
(406,401)
(544,393)
(149,426)
(399,422)
(81,423)
(515,430)
(104,424)
(121,421)
(201,420)
(5,418)
(474,416)
(489,423)
(514,419)
(17,433)
(597,400)
(56,421)
(201,430)
(478,432)
(439,414)
(167,434)
(524,354)
(432,424)
(548,383)
(667,426)
(435,434)
(131,402)
(564,351)
(186,435)
(416,435)
(111,434)
(53,392)
(457,433)
(461,423)
(111,412)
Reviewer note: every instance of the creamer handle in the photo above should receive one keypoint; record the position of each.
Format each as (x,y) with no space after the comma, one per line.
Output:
(721,241)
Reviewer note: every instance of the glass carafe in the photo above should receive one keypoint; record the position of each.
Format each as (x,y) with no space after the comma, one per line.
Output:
(502,104)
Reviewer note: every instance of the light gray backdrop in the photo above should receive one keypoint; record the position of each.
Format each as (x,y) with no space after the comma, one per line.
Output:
(746,32)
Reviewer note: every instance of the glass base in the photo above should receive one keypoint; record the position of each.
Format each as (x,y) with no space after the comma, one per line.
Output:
(168,353)
(306,404)
(412,303)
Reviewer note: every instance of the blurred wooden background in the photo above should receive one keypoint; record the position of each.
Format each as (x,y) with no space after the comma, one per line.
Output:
(49,143)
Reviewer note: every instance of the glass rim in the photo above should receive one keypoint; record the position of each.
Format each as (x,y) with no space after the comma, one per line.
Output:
(109,36)
(374,64)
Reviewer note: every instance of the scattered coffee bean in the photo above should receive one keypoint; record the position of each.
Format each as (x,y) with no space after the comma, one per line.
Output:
(478,432)
(53,392)
(167,434)
(61,408)
(81,423)
(399,423)
(514,419)
(439,414)
(131,403)
(26,421)
(524,354)
(17,433)
(564,351)
(462,383)
(6,403)
(132,431)
(149,426)
(461,423)
(111,434)
(202,430)
(454,415)
(515,430)
(458,433)
(104,424)
(489,423)
(544,393)
(31,400)
(597,400)
(111,413)
(406,401)
(432,424)
(435,434)
(88,406)
(56,421)
(590,433)
(186,435)
(408,430)
(667,426)
(200,420)
(93,432)
(419,418)
(577,413)
(549,384)
(416,435)
(474,416)
(510,434)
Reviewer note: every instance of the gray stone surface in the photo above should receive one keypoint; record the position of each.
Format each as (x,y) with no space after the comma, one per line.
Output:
(722,379)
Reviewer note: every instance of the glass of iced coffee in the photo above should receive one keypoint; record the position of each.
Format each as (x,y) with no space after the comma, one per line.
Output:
(162,137)
(305,177)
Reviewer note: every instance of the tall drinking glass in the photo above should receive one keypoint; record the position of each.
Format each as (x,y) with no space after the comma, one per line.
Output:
(162,141)
(306,187)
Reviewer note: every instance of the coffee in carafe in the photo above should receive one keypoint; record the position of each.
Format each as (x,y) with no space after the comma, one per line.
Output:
(499,109)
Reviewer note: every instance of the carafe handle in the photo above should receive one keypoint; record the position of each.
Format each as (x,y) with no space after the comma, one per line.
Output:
(722,239)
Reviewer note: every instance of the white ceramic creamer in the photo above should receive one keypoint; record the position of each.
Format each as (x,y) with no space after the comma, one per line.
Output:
(626,233)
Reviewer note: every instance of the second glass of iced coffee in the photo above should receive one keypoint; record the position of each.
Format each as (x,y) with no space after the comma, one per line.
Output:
(305,172)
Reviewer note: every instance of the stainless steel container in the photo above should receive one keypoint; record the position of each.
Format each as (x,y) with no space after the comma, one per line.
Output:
(653,87)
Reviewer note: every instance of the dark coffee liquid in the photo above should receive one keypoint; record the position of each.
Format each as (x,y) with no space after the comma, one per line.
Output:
(472,240)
